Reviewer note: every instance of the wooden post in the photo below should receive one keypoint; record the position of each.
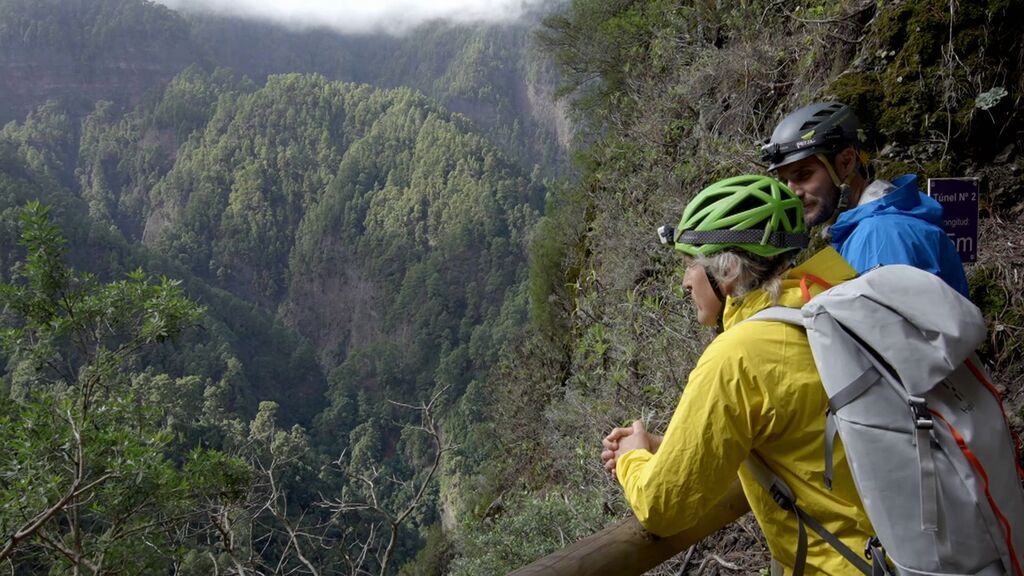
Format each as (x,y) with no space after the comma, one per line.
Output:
(626,549)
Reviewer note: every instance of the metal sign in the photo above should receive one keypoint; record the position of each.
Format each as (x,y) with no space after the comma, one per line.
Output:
(959,199)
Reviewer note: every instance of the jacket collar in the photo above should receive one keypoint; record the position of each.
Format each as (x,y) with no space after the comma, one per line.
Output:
(903,198)
(826,265)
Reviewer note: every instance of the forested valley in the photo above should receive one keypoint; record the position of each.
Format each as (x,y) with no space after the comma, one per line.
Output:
(291,301)
(250,311)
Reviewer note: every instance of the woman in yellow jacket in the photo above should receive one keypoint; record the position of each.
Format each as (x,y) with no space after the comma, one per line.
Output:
(754,391)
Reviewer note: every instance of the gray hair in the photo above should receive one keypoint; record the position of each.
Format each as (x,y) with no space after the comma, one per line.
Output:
(747,272)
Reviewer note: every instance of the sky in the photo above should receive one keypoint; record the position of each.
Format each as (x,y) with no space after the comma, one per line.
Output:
(369,16)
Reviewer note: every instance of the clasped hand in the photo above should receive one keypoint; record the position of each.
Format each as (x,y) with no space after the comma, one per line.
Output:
(622,440)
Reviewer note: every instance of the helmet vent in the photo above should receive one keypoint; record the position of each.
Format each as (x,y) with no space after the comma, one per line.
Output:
(749,212)
(819,128)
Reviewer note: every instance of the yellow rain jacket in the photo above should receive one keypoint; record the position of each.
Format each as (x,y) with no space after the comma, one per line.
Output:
(755,388)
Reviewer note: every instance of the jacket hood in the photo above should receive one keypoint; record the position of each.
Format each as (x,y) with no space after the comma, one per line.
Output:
(826,265)
(905,199)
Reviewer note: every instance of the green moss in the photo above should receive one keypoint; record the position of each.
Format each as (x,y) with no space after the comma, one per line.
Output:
(862,91)
(916,84)
(932,169)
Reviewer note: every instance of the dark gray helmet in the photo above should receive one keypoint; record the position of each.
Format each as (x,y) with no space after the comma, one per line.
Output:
(825,127)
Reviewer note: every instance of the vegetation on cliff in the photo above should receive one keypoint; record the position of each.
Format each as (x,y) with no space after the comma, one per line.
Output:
(670,96)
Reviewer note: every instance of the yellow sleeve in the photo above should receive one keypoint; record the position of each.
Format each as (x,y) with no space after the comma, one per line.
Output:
(711,432)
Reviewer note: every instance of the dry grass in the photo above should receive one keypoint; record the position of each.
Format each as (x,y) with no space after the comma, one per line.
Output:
(737,549)
(997,281)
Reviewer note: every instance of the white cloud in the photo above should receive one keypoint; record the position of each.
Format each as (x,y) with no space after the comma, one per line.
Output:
(393,16)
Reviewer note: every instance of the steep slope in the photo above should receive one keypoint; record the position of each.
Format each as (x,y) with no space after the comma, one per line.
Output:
(386,232)
(491,73)
(376,224)
(81,51)
(362,218)
(240,349)
(676,95)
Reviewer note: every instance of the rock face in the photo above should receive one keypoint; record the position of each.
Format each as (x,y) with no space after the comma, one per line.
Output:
(30,77)
(78,52)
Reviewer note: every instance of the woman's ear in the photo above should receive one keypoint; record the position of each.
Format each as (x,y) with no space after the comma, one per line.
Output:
(728,286)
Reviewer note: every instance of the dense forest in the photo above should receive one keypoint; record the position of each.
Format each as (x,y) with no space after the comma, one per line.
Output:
(252,311)
(291,301)
(124,51)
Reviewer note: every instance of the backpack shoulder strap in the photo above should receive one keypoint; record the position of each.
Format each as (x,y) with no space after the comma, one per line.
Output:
(781,492)
(779,314)
(784,497)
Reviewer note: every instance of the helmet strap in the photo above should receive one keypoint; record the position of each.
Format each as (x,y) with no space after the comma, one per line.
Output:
(842,185)
(831,169)
(715,287)
(719,322)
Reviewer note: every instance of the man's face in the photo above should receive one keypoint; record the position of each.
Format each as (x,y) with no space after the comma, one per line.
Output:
(810,181)
(696,283)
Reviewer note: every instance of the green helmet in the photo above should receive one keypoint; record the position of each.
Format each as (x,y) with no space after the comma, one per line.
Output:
(758,214)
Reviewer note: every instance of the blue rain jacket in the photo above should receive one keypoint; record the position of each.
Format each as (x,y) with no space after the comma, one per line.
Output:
(902,227)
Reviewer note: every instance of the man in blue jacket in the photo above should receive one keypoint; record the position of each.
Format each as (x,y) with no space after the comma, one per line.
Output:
(817,152)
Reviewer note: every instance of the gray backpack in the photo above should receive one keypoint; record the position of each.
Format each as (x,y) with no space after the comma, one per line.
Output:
(923,428)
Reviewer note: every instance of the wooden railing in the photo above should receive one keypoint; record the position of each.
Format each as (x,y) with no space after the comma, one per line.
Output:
(626,549)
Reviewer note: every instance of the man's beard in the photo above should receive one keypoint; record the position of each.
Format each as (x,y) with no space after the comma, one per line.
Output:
(826,208)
